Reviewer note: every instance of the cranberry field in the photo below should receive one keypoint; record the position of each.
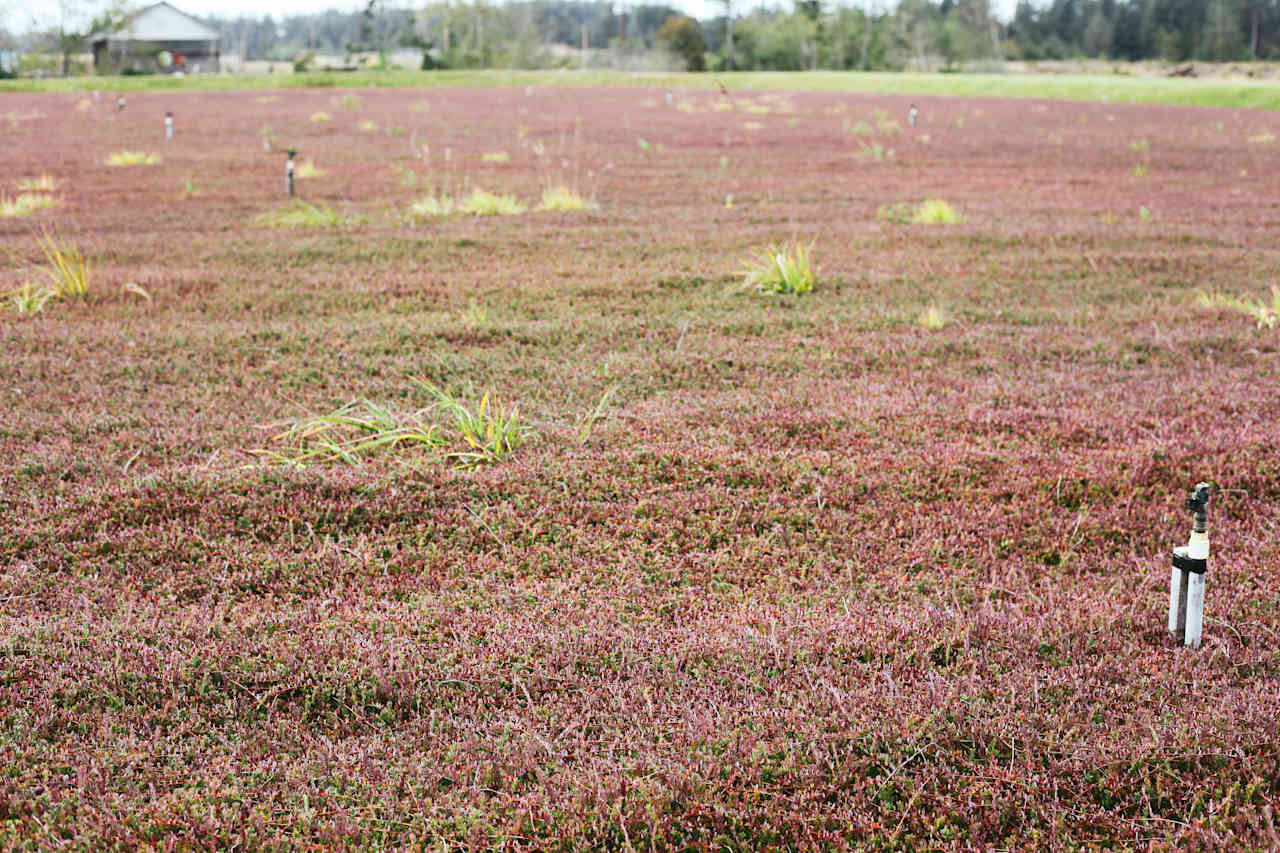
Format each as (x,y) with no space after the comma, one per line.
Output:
(882,565)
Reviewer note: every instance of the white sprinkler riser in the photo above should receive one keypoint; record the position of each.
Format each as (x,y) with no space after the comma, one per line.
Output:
(1175,592)
(1195,611)
(1198,547)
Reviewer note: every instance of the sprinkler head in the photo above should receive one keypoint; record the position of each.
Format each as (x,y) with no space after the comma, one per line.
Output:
(1198,503)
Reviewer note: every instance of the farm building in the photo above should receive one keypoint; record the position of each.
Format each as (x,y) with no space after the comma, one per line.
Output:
(159,38)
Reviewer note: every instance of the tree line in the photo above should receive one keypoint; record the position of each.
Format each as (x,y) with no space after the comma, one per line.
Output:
(809,34)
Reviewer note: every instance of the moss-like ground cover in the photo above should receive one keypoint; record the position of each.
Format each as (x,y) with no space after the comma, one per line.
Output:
(800,571)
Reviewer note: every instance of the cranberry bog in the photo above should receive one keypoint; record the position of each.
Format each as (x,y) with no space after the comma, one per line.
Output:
(881,565)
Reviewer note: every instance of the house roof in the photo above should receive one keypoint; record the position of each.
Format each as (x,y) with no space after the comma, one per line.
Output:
(160,22)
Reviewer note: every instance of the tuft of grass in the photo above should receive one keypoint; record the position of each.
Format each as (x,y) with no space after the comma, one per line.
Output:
(321,116)
(132,158)
(932,318)
(1265,315)
(588,422)
(300,214)
(1144,213)
(1139,145)
(1139,170)
(46,183)
(476,316)
(433,206)
(562,198)
(935,211)
(481,434)
(1262,138)
(782,270)
(352,433)
(348,102)
(307,169)
(874,152)
(26,204)
(68,268)
(452,430)
(30,299)
(496,157)
(367,126)
(481,203)
(859,128)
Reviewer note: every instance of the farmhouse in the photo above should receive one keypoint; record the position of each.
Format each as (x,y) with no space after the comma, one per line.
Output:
(159,38)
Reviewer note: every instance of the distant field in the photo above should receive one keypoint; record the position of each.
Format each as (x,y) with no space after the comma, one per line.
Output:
(879,566)
(1114,88)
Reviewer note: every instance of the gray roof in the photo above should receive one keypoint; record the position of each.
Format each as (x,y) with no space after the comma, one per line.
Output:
(160,22)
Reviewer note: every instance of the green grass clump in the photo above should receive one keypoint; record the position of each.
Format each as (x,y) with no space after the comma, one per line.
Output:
(30,299)
(321,116)
(562,198)
(481,203)
(300,215)
(496,157)
(132,158)
(432,207)
(935,211)
(782,270)
(874,152)
(367,126)
(481,434)
(932,318)
(25,204)
(449,429)
(1265,315)
(68,268)
(352,433)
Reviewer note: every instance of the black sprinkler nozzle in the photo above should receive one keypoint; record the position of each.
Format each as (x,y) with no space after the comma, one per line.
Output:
(1198,503)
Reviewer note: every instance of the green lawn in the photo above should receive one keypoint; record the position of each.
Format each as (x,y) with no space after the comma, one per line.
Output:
(1115,88)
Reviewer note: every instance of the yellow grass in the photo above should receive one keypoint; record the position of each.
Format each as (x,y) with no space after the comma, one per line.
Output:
(133,158)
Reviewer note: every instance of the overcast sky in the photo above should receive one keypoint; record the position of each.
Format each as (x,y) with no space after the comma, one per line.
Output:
(22,14)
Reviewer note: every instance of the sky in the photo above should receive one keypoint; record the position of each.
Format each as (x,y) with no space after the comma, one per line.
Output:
(22,14)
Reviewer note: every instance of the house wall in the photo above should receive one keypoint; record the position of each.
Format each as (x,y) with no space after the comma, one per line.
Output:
(115,57)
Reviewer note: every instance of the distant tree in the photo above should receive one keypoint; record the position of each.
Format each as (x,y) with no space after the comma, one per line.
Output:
(729,62)
(683,37)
